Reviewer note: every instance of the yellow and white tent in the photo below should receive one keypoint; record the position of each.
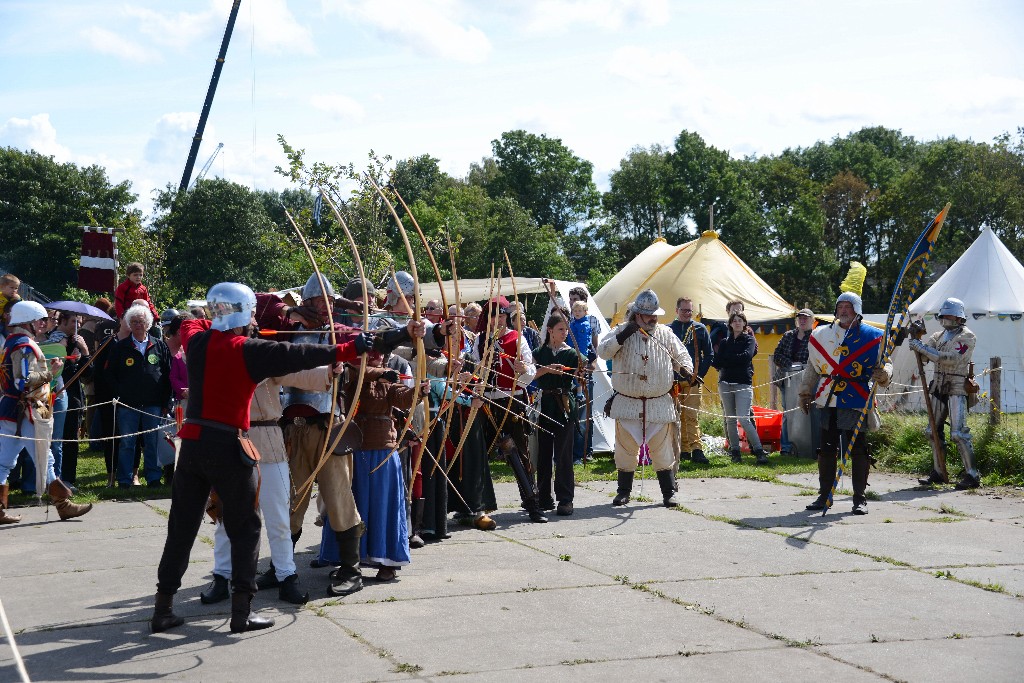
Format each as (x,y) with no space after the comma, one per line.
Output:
(709,273)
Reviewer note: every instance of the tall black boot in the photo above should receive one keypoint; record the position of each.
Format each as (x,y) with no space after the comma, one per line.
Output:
(861,466)
(415,540)
(625,488)
(241,619)
(347,578)
(164,617)
(524,478)
(668,489)
(826,477)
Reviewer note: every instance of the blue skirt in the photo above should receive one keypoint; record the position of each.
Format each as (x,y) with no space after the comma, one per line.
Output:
(380,499)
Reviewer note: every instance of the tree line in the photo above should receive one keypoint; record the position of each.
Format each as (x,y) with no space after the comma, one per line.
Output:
(797,218)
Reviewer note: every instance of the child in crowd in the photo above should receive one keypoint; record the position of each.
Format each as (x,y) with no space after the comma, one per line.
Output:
(9,284)
(131,288)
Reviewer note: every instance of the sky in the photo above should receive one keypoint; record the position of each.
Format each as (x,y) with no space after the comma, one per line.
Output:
(121,83)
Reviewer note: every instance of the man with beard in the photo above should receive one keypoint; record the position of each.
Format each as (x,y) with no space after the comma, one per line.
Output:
(646,357)
(841,364)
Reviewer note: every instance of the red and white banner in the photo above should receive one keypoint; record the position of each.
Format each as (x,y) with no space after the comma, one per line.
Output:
(97,271)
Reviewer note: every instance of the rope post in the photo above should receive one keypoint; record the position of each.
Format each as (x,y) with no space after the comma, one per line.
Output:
(995,389)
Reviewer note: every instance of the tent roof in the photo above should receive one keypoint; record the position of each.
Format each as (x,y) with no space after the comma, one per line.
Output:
(986,277)
(478,289)
(705,269)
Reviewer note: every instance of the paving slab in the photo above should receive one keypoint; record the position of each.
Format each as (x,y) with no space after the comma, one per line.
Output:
(440,570)
(790,512)
(201,650)
(539,628)
(931,545)
(1010,577)
(790,664)
(502,605)
(985,660)
(726,552)
(854,607)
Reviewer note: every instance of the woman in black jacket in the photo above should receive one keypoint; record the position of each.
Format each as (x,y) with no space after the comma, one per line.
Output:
(734,361)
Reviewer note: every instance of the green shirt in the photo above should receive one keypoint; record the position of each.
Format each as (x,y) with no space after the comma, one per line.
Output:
(551,404)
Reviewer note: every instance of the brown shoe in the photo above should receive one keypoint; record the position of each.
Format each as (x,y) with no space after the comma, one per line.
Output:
(484,523)
(60,494)
(385,574)
(4,517)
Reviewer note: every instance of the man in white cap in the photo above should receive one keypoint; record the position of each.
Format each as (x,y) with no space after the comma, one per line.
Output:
(646,357)
(951,349)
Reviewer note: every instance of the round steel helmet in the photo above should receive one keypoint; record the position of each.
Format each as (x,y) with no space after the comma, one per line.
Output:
(167,316)
(312,288)
(646,303)
(953,307)
(853,299)
(231,304)
(403,283)
(26,312)
(354,290)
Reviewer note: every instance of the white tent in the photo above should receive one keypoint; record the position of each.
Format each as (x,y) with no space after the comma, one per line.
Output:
(990,282)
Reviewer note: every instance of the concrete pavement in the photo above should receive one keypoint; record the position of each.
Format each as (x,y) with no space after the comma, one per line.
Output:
(739,583)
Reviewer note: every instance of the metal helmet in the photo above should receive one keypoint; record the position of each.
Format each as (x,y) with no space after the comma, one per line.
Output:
(167,316)
(312,288)
(26,312)
(646,303)
(354,290)
(953,307)
(858,305)
(401,283)
(231,304)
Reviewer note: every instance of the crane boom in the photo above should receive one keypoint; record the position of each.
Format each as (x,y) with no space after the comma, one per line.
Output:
(198,138)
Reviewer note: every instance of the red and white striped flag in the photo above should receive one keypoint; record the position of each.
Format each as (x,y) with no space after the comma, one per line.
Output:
(97,271)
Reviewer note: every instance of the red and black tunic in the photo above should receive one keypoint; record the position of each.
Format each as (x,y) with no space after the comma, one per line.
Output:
(224,369)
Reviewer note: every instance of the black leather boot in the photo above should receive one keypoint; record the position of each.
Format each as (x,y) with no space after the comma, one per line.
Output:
(668,491)
(241,619)
(762,457)
(933,479)
(290,591)
(216,592)
(268,579)
(699,457)
(735,456)
(625,488)
(347,579)
(819,502)
(164,617)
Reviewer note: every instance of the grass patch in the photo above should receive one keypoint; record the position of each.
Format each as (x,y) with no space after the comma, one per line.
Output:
(902,446)
(403,668)
(92,483)
(950,510)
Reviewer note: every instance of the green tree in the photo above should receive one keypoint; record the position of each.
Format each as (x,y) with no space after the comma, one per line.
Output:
(800,267)
(544,177)
(220,231)
(44,204)
(420,178)
(638,200)
(705,177)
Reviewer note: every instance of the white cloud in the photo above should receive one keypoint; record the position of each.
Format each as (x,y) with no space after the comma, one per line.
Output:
(339,107)
(428,27)
(269,23)
(547,16)
(172,137)
(173,29)
(107,42)
(34,133)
